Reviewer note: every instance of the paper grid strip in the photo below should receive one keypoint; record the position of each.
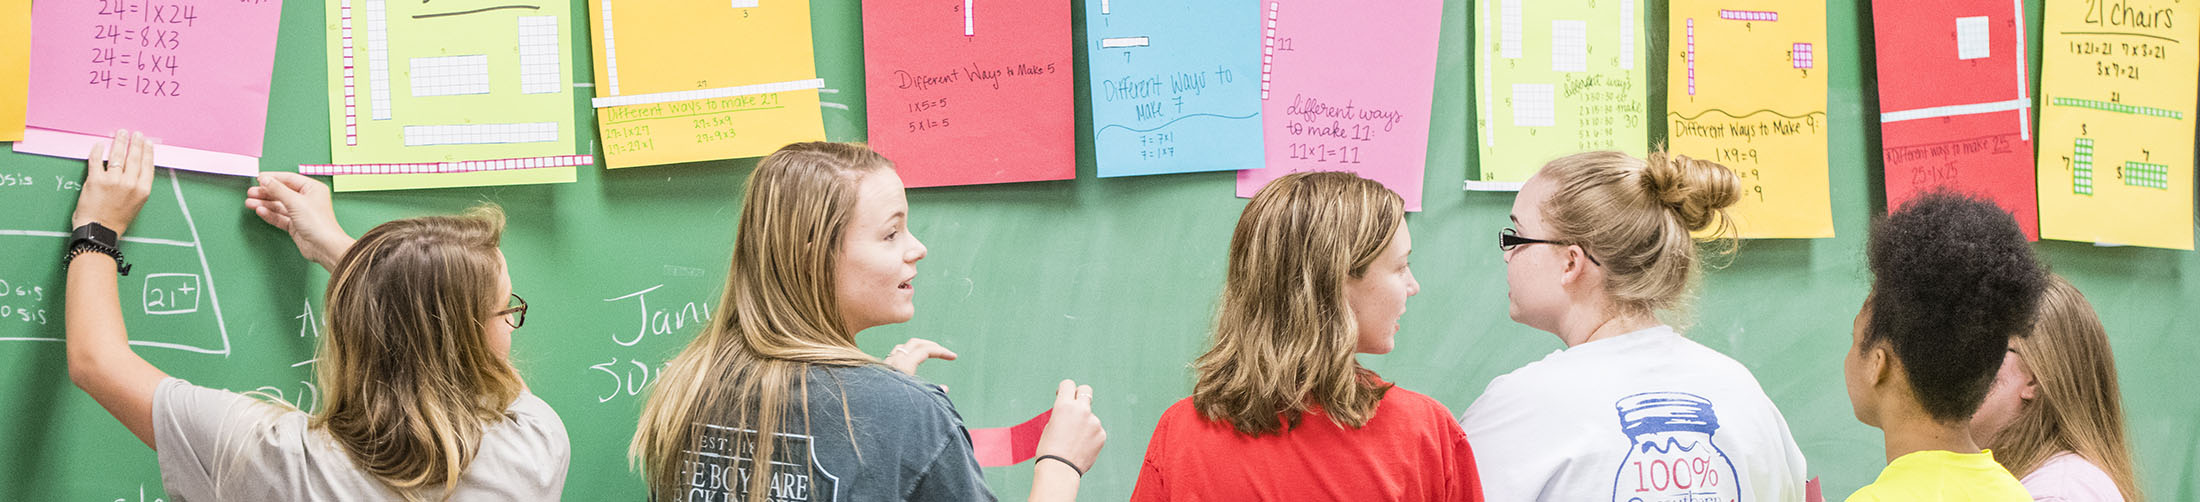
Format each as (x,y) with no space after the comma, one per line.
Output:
(1509,38)
(447,167)
(2081,167)
(1972,40)
(351,87)
(1569,45)
(722,92)
(1748,15)
(1691,56)
(2109,106)
(610,50)
(480,134)
(1626,34)
(1534,105)
(538,55)
(449,75)
(378,58)
(1268,51)
(2147,175)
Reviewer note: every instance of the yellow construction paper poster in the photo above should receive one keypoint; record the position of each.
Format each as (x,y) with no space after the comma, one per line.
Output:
(2117,89)
(415,82)
(1554,78)
(1746,88)
(691,80)
(15,60)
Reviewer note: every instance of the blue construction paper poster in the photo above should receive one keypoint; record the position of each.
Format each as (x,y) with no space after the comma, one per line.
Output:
(1175,84)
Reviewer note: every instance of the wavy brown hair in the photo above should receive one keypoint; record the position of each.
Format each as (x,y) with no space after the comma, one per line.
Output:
(777,317)
(2078,408)
(408,378)
(1285,335)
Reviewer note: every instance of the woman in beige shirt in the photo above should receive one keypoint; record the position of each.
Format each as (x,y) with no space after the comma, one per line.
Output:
(419,399)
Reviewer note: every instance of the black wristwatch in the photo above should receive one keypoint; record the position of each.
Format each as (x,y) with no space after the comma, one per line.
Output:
(95,238)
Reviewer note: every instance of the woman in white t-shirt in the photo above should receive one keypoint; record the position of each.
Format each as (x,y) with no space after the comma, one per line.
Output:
(1630,410)
(2054,416)
(418,398)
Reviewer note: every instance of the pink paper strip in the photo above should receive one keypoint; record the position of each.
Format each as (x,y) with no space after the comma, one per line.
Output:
(465,166)
(1353,94)
(76,146)
(1012,445)
(191,72)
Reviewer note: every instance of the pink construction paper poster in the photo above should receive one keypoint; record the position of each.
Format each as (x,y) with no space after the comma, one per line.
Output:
(1348,88)
(193,73)
(1011,445)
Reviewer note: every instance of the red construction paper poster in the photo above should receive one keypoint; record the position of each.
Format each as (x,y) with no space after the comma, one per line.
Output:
(965,92)
(1012,445)
(1955,112)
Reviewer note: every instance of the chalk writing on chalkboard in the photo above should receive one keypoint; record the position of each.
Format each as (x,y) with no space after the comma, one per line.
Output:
(628,377)
(173,281)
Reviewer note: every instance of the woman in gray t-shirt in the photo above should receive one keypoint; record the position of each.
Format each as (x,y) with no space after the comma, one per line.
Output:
(411,390)
(822,252)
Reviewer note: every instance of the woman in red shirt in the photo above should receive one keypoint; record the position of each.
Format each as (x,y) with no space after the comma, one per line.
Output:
(1281,410)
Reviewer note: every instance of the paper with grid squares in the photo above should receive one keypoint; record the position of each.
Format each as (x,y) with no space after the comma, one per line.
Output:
(449,85)
(657,105)
(1755,104)
(449,75)
(2116,129)
(1583,50)
(539,63)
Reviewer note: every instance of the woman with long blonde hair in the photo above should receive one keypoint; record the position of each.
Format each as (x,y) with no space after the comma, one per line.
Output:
(419,400)
(822,252)
(1601,245)
(1281,408)
(2054,416)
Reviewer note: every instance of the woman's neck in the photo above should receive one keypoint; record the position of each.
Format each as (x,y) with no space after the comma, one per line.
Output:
(1924,434)
(1592,328)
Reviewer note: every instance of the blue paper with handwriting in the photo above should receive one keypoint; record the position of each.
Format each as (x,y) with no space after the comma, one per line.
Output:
(1175,85)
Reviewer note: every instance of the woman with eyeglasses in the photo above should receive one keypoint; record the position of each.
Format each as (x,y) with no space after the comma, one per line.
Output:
(1602,245)
(418,398)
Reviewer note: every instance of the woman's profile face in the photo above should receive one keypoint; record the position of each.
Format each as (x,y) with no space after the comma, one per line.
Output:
(499,330)
(878,256)
(1533,291)
(1378,296)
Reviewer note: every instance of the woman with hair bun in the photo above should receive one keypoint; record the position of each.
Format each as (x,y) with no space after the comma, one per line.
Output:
(1602,245)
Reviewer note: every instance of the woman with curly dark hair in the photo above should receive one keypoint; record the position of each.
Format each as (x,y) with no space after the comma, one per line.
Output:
(1952,280)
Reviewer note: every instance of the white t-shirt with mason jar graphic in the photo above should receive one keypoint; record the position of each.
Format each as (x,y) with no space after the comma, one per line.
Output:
(1647,416)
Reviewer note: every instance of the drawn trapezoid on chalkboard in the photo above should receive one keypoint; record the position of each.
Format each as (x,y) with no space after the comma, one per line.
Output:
(169,290)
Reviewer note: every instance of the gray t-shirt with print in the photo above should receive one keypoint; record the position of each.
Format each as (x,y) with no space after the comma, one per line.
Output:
(899,439)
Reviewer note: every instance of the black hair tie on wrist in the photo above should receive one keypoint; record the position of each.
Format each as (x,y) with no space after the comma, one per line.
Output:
(1064,461)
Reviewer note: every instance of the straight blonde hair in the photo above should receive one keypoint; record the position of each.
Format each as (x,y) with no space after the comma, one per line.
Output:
(2078,408)
(408,379)
(1638,218)
(777,317)
(1285,335)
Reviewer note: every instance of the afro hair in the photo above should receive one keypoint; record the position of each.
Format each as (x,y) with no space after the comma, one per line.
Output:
(1952,280)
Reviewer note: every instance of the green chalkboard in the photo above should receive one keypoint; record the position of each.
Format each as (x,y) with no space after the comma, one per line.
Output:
(1108,281)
